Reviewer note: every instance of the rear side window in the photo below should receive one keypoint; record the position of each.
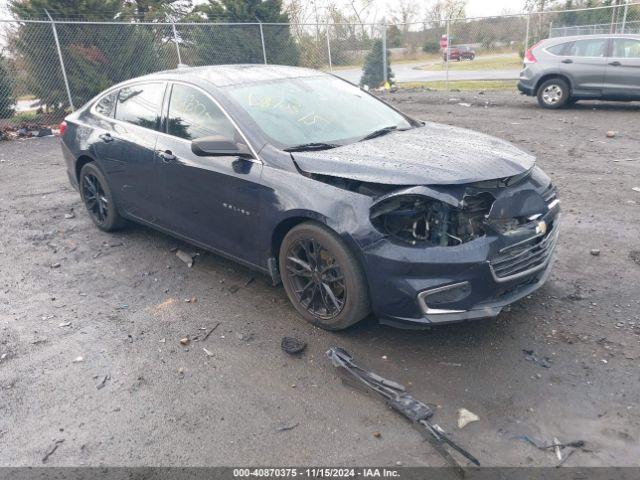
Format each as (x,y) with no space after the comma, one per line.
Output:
(626,48)
(106,105)
(560,49)
(596,47)
(192,114)
(141,105)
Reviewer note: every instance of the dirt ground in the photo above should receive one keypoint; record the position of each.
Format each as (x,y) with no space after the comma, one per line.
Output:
(90,325)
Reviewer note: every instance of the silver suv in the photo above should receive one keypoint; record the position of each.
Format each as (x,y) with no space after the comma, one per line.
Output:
(563,70)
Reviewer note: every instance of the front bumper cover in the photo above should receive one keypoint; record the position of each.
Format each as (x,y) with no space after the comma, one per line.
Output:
(402,278)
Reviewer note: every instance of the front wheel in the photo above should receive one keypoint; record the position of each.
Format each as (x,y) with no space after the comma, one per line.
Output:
(98,199)
(322,277)
(554,93)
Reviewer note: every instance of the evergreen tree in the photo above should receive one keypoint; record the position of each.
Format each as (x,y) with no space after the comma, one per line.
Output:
(7,99)
(95,56)
(372,72)
(241,43)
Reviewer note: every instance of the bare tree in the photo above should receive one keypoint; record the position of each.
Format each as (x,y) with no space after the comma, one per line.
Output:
(442,10)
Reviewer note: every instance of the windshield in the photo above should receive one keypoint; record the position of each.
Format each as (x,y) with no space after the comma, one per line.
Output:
(314,110)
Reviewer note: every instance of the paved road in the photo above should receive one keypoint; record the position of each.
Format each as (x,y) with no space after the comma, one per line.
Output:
(409,72)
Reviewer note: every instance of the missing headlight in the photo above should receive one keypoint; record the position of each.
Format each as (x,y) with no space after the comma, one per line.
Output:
(420,220)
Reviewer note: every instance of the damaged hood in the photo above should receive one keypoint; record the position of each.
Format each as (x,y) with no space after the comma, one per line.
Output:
(435,154)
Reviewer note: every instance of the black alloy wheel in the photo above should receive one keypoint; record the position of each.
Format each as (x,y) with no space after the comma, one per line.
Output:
(322,277)
(98,200)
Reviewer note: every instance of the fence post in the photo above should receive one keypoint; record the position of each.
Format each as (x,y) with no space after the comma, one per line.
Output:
(329,48)
(551,29)
(447,55)
(526,34)
(264,50)
(64,71)
(384,53)
(624,16)
(175,39)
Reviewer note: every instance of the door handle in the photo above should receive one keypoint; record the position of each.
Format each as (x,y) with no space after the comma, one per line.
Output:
(615,64)
(106,137)
(167,156)
(567,60)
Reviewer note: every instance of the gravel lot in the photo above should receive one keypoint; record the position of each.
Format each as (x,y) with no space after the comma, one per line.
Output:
(120,303)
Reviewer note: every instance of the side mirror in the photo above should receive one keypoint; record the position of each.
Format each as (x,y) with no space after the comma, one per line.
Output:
(219,146)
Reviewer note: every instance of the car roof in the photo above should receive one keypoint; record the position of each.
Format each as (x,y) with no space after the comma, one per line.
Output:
(572,38)
(239,74)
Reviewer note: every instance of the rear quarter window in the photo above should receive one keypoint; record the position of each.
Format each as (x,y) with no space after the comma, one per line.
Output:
(560,49)
(106,105)
(141,105)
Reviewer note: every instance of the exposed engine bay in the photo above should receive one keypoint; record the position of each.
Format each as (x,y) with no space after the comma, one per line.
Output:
(416,219)
(436,216)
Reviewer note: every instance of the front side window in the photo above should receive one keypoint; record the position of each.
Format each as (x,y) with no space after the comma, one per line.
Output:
(141,104)
(626,48)
(192,114)
(106,105)
(315,109)
(589,48)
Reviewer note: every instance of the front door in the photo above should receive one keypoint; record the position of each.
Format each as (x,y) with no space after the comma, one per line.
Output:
(622,78)
(212,200)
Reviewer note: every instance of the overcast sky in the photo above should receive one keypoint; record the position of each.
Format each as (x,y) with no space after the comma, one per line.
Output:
(479,8)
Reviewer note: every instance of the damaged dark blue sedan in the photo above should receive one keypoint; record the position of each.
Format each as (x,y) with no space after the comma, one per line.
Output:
(355,207)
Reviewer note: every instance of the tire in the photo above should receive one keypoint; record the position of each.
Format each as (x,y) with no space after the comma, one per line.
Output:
(312,258)
(102,208)
(554,93)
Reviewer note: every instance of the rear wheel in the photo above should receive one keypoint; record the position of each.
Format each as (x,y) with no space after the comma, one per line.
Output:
(322,277)
(98,199)
(554,93)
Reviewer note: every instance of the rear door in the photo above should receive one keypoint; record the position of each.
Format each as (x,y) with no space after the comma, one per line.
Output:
(622,79)
(584,61)
(212,200)
(132,149)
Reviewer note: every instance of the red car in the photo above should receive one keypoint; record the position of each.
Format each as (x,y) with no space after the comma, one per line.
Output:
(459,53)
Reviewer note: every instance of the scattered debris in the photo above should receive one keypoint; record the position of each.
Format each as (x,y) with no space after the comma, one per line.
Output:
(3,356)
(70,215)
(292,345)
(377,434)
(636,189)
(465,417)
(635,256)
(55,265)
(209,353)
(210,331)
(284,428)
(65,324)
(103,382)
(556,446)
(187,258)
(611,133)
(184,341)
(163,340)
(545,362)
(397,398)
(249,281)
(122,306)
(595,252)
(78,359)
(450,364)
(52,450)
(464,104)
(234,288)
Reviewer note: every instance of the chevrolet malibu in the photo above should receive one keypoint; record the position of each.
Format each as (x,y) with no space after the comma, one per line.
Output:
(355,207)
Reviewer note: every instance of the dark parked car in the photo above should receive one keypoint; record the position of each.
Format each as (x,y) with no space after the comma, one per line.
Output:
(459,53)
(353,205)
(560,71)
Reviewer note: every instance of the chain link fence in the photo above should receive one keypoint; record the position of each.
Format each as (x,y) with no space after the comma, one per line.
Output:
(48,68)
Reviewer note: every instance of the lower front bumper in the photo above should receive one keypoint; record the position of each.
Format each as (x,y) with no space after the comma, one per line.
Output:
(482,310)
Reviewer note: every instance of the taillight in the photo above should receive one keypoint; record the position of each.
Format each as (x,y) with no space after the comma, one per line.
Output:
(63,128)
(529,57)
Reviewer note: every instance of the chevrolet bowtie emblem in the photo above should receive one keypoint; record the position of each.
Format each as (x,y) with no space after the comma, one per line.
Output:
(541,228)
